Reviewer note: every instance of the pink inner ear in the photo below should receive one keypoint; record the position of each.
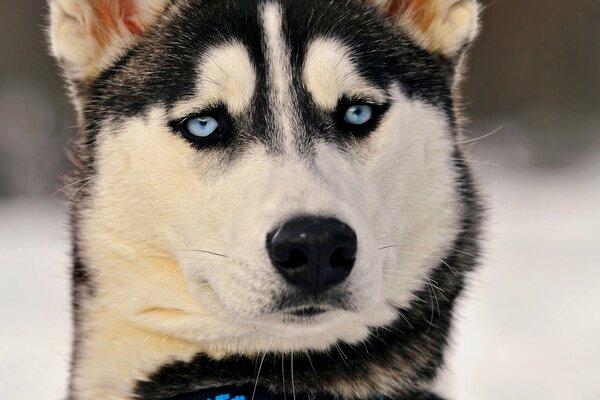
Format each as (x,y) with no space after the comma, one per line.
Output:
(129,14)
(397,7)
(421,12)
(110,14)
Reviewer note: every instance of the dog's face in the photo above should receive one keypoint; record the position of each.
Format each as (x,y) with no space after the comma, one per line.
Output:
(266,174)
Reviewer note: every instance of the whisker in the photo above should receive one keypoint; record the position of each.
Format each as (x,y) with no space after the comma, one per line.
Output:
(450,267)
(474,161)
(401,314)
(208,252)
(62,189)
(259,369)
(310,362)
(283,375)
(462,252)
(214,82)
(487,135)
(342,355)
(432,316)
(80,188)
(389,247)
(292,370)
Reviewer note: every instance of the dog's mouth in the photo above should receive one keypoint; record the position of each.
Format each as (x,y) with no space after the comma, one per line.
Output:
(309,314)
(306,312)
(296,308)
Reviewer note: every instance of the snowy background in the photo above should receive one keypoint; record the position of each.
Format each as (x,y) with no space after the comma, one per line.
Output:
(528,327)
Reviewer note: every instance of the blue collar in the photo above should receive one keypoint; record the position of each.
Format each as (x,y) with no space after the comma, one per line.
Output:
(246,393)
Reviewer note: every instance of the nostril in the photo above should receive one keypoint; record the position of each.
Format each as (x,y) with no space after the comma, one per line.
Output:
(296,259)
(313,253)
(339,259)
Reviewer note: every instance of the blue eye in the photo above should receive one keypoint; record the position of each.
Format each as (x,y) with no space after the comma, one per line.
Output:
(359,114)
(202,126)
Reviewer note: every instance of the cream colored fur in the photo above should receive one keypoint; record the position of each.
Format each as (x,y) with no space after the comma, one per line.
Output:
(329,74)
(154,203)
(84,42)
(440,26)
(225,76)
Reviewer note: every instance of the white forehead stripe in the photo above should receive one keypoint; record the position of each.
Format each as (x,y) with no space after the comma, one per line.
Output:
(279,70)
(329,74)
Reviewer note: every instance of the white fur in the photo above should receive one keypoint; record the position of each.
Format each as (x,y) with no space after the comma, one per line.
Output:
(157,200)
(279,71)
(413,173)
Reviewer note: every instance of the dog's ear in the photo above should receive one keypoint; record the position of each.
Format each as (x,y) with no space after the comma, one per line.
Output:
(87,36)
(440,26)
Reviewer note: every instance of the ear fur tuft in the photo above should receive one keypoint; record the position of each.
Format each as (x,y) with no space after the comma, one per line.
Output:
(439,26)
(88,35)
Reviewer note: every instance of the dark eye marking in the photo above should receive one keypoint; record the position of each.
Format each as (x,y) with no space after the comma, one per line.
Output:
(205,128)
(358,117)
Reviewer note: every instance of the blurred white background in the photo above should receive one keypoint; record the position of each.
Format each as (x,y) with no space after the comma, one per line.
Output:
(529,325)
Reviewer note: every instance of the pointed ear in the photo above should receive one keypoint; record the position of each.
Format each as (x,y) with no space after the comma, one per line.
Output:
(439,26)
(87,36)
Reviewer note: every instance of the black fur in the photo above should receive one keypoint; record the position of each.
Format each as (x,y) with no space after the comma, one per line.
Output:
(413,347)
(169,53)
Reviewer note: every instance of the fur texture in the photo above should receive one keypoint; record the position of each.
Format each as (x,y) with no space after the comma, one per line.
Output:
(173,287)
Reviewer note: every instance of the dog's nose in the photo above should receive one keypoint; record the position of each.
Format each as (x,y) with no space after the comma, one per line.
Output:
(313,253)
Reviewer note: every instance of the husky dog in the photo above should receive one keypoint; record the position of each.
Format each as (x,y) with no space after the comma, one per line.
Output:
(271,195)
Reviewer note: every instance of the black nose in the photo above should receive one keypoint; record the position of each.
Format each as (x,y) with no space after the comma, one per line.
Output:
(313,253)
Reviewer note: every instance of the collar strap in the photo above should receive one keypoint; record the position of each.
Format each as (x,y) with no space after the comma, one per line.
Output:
(247,393)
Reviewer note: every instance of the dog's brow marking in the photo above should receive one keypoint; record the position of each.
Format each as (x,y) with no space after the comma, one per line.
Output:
(277,56)
(227,75)
(330,73)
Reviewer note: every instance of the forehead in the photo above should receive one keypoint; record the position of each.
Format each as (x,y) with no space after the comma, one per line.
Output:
(315,42)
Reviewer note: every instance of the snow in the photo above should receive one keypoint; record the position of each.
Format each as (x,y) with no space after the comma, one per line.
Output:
(34,301)
(528,328)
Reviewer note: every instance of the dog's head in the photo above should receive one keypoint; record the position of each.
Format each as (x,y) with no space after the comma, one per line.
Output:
(263,174)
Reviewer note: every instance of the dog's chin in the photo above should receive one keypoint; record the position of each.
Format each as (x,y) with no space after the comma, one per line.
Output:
(287,323)
(309,328)
(297,321)
(306,320)
(309,317)
(305,313)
